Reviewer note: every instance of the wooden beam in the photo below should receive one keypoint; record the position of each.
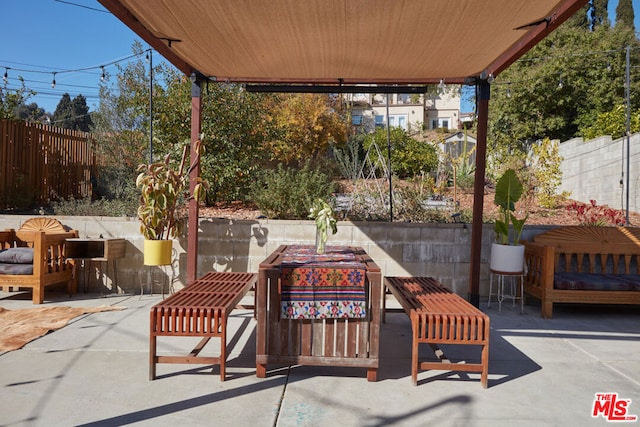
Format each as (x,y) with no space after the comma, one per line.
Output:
(539,30)
(483,95)
(159,44)
(194,173)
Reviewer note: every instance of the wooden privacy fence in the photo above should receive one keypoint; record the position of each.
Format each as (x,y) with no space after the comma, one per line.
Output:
(40,163)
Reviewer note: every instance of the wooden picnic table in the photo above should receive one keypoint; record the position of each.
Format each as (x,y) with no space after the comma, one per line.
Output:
(326,341)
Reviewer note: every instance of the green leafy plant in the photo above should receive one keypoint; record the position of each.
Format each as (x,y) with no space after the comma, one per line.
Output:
(409,157)
(322,213)
(348,159)
(509,189)
(163,192)
(101,207)
(289,193)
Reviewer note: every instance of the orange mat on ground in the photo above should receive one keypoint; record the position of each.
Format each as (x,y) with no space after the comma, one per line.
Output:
(20,326)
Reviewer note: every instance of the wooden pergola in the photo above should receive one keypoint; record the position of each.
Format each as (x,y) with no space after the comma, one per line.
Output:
(346,42)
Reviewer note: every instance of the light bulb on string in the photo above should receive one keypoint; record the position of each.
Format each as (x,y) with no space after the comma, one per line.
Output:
(560,83)
(441,84)
(509,91)
(103,76)
(6,75)
(53,82)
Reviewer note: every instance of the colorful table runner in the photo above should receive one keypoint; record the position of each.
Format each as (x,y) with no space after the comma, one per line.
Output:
(330,285)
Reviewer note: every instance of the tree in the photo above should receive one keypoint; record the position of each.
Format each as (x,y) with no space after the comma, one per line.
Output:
(63,115)
(30,112)
(72,114)
(625,15)
(235,124)
(82,118)
(120,128)
(581,18)
(599,13)
(613,123)
(11,100)
(121,123)
(308,124)
(560,87)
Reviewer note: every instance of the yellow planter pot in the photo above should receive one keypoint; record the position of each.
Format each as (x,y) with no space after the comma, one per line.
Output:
(157,252)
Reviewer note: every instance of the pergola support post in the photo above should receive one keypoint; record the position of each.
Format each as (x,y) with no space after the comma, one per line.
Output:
(483,95)
(194,173)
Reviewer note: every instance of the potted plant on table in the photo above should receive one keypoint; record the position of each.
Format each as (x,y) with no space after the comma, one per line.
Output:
(163,191)
(322,213)
(507,255)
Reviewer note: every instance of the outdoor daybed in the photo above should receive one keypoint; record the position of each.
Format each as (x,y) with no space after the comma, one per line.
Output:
(34,257)
(583,264)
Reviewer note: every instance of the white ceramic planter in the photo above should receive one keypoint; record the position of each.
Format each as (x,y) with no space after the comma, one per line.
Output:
(507,258)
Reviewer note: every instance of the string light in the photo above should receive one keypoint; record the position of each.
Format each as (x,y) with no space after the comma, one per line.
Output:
(560,84)
(441,85)
(54,83)
(95,67)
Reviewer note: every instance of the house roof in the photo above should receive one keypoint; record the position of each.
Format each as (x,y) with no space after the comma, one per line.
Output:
(459,136)
(342,41)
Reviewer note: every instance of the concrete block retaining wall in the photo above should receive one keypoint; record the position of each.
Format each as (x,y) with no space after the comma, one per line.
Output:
(439,250)
(591,170)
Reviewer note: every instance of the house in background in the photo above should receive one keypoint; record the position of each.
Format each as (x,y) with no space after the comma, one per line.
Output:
(411,112)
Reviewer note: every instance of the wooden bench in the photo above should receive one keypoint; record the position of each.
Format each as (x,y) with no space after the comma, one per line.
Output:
(201,309)
(439,316)
(582,264)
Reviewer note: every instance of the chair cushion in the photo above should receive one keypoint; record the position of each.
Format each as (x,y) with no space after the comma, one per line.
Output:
(595,282)
(16,269)
(17,256)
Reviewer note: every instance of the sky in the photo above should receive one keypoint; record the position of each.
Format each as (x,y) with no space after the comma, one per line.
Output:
(46,36)
(53,36)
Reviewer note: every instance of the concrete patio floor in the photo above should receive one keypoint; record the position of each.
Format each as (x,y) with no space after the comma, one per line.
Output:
(94,371)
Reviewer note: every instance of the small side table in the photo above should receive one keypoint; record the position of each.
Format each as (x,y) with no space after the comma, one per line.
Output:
(166,276)
(99,249)
(514,279)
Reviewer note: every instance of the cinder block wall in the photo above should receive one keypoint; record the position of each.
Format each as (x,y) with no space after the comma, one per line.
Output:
(592,170)
(439,250)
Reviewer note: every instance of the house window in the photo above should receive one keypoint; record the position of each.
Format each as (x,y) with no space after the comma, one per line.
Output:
(440,123)
(379,99)
(356,120)
(404,98)
(398,120)
(379,120)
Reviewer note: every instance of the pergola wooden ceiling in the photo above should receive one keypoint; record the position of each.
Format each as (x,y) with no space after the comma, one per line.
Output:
(333,42)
